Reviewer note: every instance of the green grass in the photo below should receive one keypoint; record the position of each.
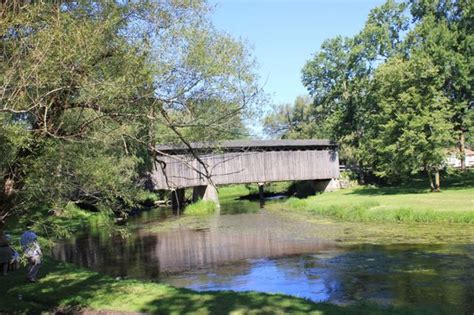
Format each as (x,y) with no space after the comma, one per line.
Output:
(239,190)
(234,191)
(371,210)
(408,203)
(66,288)
(200,208)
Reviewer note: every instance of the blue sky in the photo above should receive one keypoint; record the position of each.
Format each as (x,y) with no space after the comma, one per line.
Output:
(284,34)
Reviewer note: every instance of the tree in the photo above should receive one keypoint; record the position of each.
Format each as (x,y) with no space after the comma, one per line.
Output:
(345,80)
(56,95)
(339,78)
(444,31)
(87,90)
(411,128)
(293,121)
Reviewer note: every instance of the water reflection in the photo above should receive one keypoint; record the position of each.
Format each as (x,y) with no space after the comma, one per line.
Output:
(430,278)
(147,255)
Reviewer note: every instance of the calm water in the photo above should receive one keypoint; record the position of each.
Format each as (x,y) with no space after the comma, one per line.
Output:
(261,251)
(428,277)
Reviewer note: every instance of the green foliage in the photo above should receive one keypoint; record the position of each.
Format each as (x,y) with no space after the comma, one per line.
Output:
(297,203)
(365,212)
(146,197)
(80,122)
(200,208)
(349,176)
(396,94)
(233,191)
(294,121)
(410,125)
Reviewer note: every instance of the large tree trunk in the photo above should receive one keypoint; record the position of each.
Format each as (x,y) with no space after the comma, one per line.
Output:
(10,184)
(434,184)
(6,200)
(437,183)
(430,178)
(361,174)
(462,151)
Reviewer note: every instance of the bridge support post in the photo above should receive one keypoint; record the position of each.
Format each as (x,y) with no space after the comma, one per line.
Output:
(326,185)
(261,195)
(207,192)
(198,193)
(177,200)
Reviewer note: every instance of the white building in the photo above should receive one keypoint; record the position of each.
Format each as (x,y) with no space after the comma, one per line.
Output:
(454,160)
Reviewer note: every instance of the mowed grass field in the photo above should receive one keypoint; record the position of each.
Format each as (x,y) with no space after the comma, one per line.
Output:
(411,202)
(447,200)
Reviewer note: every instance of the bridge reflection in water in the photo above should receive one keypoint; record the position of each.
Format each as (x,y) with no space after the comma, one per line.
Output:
(146,255)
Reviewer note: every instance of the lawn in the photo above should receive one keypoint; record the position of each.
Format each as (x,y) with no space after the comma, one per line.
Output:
(411,202)
(457,199)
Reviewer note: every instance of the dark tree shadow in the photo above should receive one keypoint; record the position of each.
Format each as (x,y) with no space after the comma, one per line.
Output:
(419,185)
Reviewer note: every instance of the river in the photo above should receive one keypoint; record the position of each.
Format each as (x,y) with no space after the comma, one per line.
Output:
(263,251)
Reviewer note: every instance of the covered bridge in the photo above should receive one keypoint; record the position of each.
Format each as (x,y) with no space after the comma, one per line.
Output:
(244,161)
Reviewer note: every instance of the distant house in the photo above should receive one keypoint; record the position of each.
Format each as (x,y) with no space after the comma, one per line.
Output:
(453,159)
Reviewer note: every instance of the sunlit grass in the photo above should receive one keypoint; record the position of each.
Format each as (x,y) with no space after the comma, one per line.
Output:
(200,207)
(233,191)
(392,204)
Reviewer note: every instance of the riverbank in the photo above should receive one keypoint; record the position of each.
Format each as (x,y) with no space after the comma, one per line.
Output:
(404,214)
(66,288)
(411,203)
(303,224)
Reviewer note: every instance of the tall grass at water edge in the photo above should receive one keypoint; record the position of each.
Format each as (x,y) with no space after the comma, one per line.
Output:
(373,211)
(200,208)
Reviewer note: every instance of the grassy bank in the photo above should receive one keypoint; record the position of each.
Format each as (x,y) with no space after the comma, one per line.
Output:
(408,203)
(349,233)
(200,208)
(67,288)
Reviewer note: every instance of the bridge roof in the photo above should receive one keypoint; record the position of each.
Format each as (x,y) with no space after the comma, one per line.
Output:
(261,145)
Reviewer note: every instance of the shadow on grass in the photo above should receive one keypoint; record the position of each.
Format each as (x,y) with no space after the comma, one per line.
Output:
(57,287)
(228,302)
(381,191)
(419,185)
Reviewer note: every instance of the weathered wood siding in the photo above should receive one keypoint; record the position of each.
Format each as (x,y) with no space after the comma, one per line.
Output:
(249,167)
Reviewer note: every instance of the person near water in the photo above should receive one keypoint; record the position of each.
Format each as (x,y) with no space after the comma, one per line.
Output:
(32,251)
(7,253)
(15,261)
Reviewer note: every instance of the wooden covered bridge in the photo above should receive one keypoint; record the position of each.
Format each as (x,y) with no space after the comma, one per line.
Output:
(243,161)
